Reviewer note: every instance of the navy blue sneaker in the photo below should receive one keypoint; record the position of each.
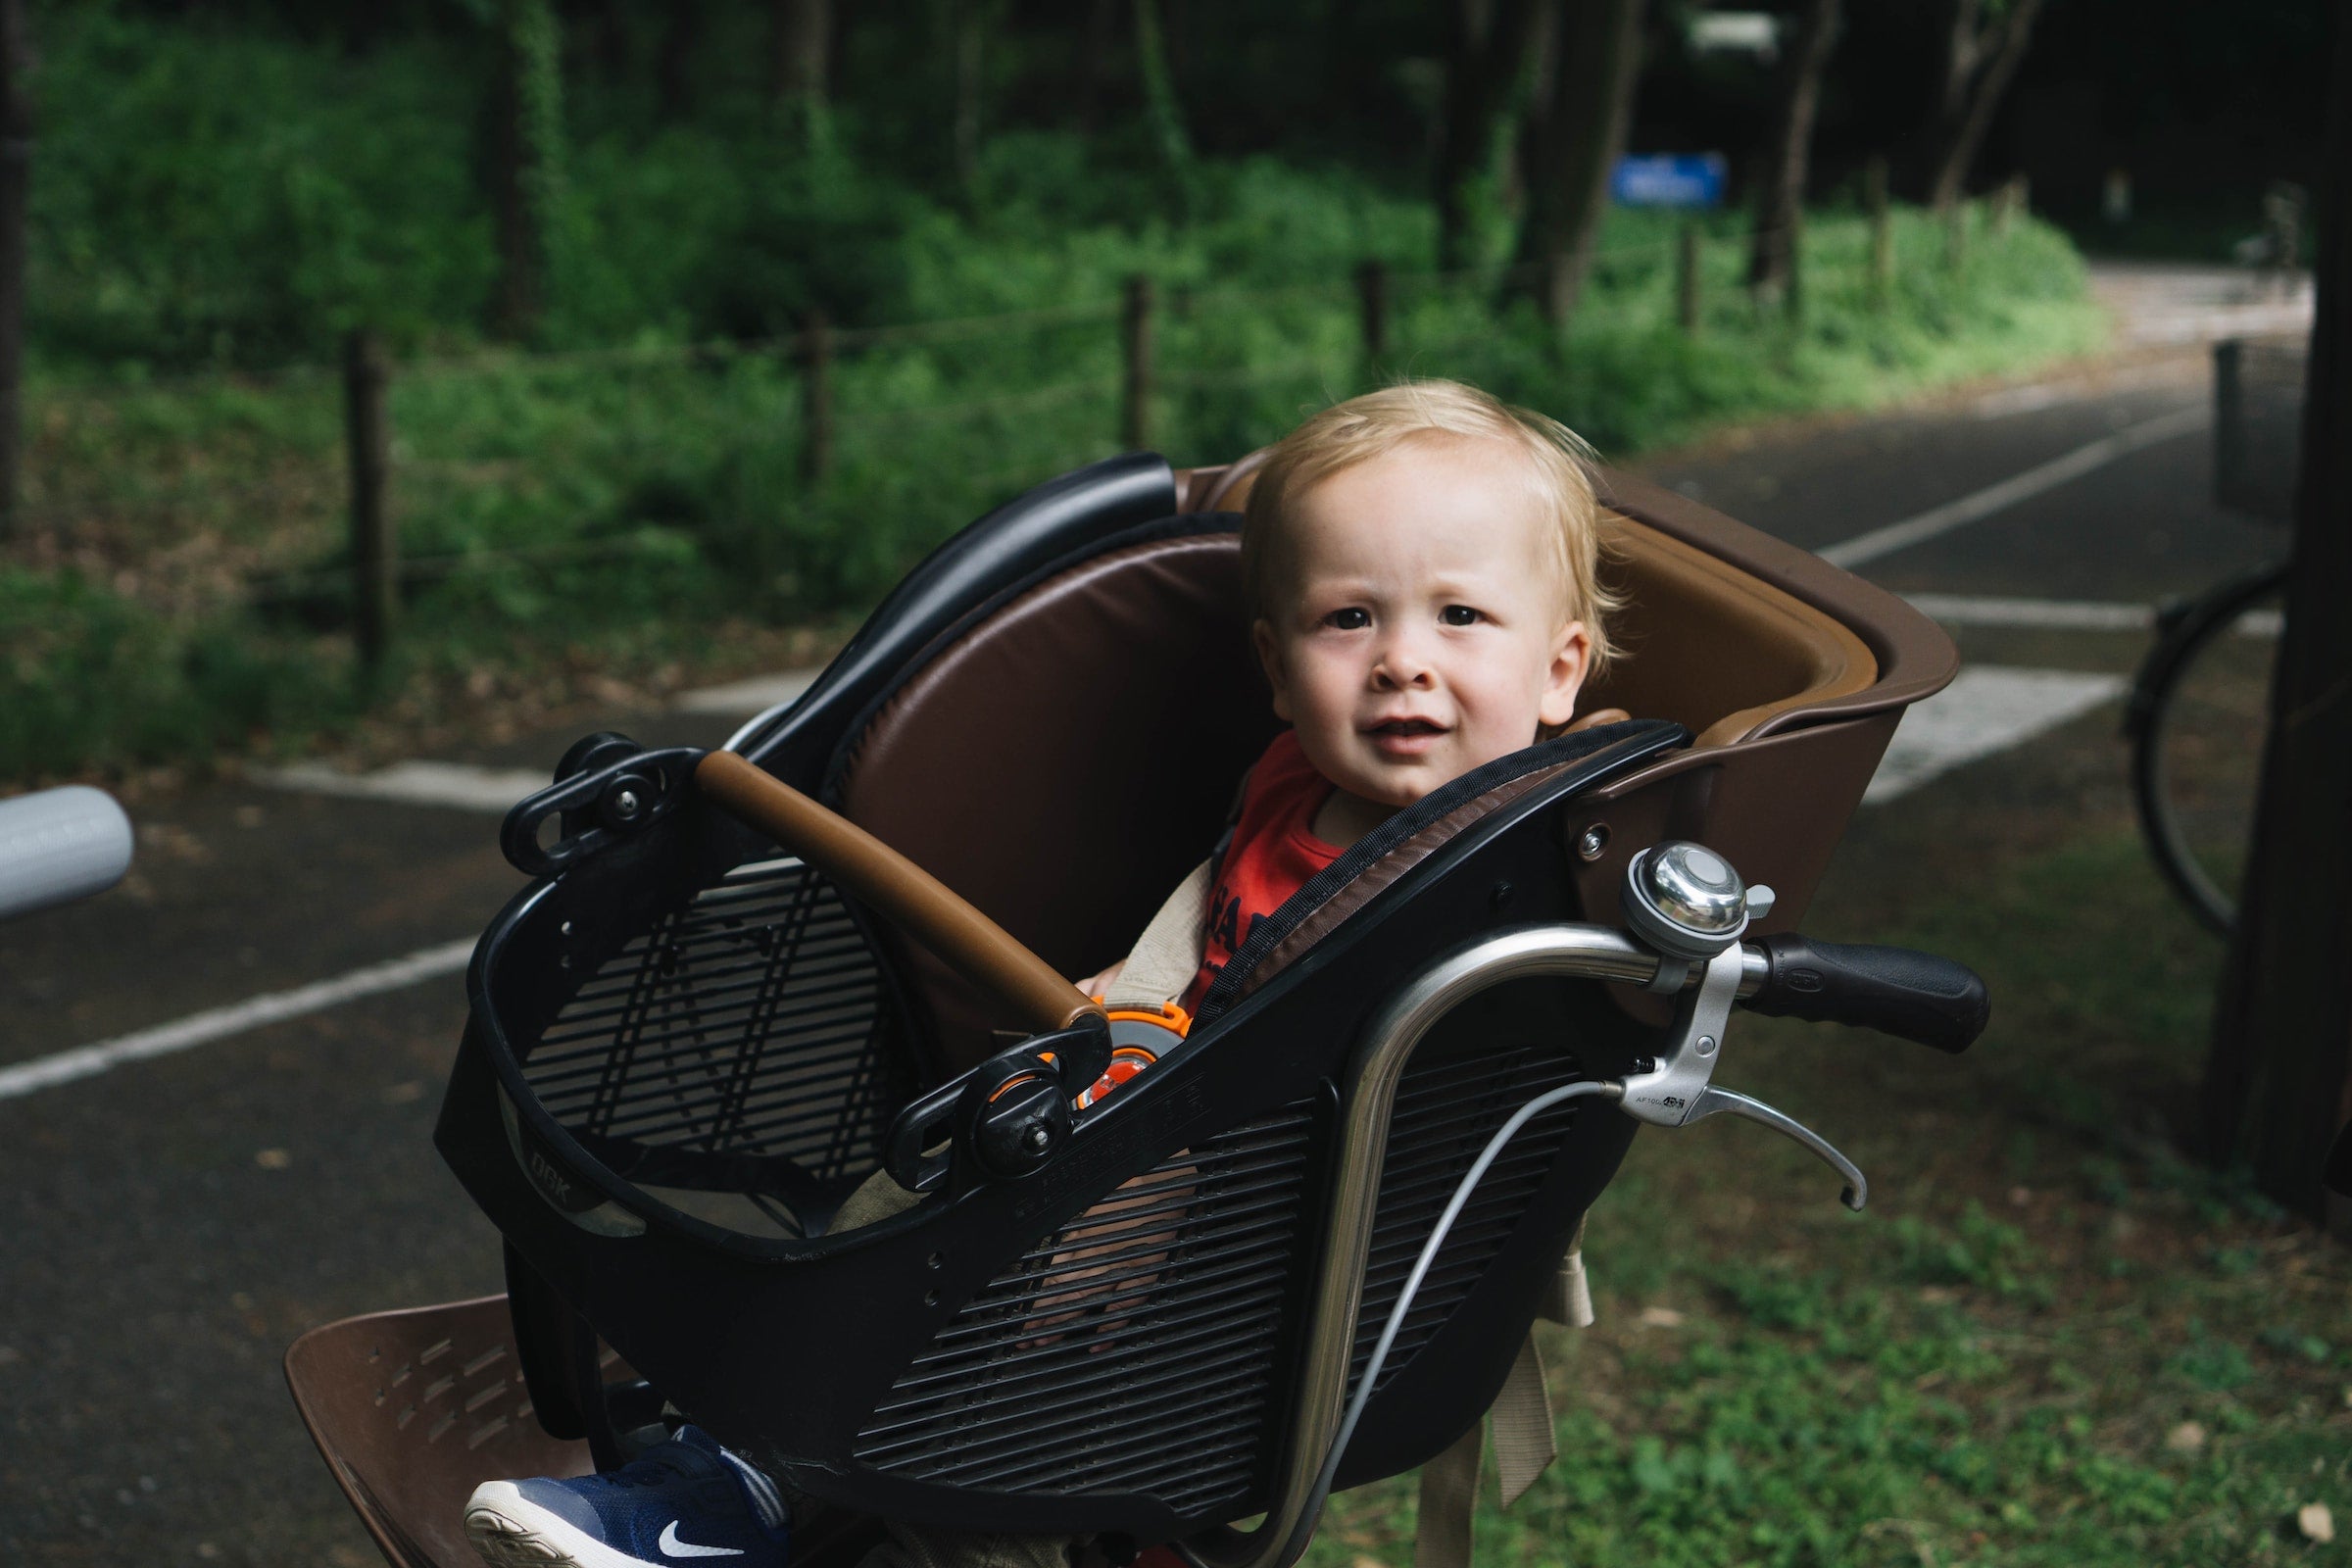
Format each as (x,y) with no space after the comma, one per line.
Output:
(687,1501)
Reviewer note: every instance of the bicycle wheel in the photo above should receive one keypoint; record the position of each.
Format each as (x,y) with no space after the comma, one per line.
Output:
(2198,718)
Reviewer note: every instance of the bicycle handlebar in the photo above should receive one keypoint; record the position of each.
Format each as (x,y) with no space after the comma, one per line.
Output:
(59,845)
(1914,996)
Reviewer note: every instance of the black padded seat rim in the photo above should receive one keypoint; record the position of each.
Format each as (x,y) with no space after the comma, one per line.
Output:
(1374,861)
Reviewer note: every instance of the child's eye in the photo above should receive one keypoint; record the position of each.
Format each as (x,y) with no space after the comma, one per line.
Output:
(1350,620)
(1459,616)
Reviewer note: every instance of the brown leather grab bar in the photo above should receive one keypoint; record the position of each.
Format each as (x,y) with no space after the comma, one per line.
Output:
(896,887)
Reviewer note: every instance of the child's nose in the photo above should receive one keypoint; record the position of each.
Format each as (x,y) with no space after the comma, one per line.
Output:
(1401,667)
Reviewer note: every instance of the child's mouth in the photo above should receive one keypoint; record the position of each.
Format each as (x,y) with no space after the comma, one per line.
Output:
(1404,736)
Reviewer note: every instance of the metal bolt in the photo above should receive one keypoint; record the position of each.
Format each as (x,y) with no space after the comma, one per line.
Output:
(1592,841)
(1037,1135)
(1704,1045)
(626,803)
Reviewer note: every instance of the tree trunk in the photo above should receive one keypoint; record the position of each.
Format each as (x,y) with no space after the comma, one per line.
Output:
(1094,61)
(525,164)
(1978,68)
(2280,1082)
(16,168)
(672,67)
(1772,258)
(802,55)
(611,49)
(970,29)
(1575,140)
(1159,87)
(1485,64)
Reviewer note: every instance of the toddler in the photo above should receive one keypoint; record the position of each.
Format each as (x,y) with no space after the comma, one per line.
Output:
(1421,568)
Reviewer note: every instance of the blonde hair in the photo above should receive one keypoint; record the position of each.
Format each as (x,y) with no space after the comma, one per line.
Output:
(1558,468)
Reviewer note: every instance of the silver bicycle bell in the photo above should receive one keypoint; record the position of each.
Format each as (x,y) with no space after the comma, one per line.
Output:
(1687,901)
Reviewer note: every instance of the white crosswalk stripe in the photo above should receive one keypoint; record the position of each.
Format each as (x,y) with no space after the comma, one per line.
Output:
(1985,709)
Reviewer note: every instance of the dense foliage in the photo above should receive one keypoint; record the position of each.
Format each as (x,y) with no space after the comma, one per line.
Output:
(216,206)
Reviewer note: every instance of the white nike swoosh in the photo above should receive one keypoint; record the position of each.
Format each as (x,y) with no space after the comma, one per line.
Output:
(672,1547)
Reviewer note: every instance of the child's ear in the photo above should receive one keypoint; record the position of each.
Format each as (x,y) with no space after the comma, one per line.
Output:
(1571,657)
(1269,658)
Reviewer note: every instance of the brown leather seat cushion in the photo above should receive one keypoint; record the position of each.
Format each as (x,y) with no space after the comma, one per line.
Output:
(1067,761)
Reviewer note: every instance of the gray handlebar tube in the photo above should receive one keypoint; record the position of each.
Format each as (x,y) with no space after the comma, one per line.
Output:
(60,845)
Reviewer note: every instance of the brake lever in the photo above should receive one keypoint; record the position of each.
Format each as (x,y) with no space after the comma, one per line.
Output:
(1676,1088)
(1714,1102)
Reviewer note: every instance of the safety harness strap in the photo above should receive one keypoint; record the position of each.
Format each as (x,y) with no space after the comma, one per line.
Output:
(1167,956)
(1524,1444)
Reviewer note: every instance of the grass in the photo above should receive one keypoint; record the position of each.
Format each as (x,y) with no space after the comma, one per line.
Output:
(2051,1340)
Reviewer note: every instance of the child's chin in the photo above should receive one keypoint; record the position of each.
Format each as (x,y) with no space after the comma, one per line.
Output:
(1400,785)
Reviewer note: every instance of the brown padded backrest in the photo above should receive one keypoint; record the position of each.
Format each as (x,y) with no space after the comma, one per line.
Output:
(1067,761)
(1710,647)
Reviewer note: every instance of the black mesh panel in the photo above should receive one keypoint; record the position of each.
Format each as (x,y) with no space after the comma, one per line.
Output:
(737,1044)
(1445,1112)
(1131,1351)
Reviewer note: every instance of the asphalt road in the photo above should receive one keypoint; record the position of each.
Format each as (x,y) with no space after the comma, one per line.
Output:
(173,1224)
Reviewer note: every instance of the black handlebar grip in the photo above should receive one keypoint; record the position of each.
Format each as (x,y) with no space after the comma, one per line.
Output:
(1914,996)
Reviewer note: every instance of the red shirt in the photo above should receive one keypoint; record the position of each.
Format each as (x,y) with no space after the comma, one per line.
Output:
(1274,852)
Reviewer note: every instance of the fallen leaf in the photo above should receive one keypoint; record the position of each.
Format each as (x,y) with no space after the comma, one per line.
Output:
(1661,1317)
(2020,1196)
(2316,1522)
(273,1159)
(2186,1437)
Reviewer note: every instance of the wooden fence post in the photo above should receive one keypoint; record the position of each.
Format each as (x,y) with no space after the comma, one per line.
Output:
(1135,411)
(1372,292)
(1882,230)
(2005,204)
(1792,299)
(816,399)
(374,544)
(1686,279)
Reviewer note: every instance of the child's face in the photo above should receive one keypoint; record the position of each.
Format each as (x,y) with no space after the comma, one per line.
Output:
(1417,626)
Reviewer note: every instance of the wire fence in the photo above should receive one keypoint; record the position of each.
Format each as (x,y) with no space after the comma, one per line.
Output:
(480,461)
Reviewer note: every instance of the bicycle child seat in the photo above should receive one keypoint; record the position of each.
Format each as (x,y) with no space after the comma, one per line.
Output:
(690,1042)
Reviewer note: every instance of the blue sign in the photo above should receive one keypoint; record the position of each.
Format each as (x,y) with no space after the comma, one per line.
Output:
(1671,179)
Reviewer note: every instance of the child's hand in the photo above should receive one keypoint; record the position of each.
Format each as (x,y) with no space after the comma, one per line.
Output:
(1099,985)
(1111,1258)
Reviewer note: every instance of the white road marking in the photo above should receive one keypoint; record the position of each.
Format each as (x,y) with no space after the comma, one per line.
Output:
(470,788)
(1985,709)
(2184,373)
(415,783)
(744,698)
(202,1028)
(2035,614)
(1994,498)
